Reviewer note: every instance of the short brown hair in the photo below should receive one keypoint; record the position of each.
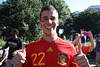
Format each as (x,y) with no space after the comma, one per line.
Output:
(48,8)
(14,30)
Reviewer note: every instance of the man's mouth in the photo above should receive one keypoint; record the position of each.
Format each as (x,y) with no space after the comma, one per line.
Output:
(49,27)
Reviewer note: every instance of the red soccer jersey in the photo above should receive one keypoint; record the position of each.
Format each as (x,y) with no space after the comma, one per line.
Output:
(57,53)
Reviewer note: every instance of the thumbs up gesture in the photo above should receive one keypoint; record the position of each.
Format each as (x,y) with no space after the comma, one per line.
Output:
(81,59)
(19,57)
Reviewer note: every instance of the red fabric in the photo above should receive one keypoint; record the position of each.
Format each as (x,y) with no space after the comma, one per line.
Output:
(45,54)
(85,49)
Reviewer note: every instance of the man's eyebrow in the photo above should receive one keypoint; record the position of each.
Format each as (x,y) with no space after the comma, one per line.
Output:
(44,17)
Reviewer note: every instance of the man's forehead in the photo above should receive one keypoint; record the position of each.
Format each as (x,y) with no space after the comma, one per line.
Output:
(49,13)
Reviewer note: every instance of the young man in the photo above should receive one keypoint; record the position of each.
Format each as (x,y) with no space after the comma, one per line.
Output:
(50,50)
(14,43)
(98,50)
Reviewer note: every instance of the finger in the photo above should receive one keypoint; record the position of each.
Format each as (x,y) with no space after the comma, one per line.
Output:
(17,58)
(12,62)
(80,48)
(15,52)
(16,63)
(83,64)
(23,49)
(79,56)
(21,55)
(79,61)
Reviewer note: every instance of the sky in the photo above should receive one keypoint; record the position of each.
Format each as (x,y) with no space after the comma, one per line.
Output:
(80,5)
(1,1)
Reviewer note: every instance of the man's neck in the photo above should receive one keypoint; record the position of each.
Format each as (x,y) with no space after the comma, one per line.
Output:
(14,37)
(50,38)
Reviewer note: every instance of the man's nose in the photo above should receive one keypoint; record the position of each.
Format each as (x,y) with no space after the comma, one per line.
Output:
(50,21)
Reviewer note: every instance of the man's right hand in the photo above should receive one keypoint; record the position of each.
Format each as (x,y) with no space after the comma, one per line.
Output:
(19,57)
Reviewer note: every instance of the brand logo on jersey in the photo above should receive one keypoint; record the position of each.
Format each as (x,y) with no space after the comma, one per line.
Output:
(62,58)
(50,50)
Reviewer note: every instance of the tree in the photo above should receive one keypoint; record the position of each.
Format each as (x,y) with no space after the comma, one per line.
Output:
(64,13)
(87,20)
(23,15)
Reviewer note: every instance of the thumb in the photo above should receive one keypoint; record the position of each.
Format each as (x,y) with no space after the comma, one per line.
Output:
(80,48)
(23,49)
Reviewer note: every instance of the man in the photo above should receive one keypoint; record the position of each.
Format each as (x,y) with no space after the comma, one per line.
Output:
(50,50)
(98,50)
(14,43)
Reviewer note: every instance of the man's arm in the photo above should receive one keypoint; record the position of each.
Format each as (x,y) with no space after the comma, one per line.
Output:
(75,41)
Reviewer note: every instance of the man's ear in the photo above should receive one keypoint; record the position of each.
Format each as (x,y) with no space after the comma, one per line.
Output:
(58,23)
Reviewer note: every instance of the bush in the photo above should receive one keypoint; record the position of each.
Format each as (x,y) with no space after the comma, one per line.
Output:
(2,42)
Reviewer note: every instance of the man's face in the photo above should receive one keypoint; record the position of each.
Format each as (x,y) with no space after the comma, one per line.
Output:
(12,33)
(49,22)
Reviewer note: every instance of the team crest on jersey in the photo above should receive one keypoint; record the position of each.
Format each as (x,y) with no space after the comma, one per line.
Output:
(62,58)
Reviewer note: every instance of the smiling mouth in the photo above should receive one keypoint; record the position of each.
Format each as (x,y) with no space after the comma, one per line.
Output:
(49,27)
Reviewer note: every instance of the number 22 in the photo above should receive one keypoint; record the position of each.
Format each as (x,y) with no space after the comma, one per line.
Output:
(36,55)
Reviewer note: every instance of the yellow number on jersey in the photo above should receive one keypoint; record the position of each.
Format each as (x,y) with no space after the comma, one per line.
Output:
(36,55)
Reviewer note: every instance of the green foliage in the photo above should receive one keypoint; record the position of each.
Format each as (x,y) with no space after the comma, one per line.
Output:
(87,20)
(63,10)
(23,15)
(2,42)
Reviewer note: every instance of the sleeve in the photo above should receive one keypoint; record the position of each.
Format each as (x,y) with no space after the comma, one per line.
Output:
(20,42)
(7,44)
(28,58)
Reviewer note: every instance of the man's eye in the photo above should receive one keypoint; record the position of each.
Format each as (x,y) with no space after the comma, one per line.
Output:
(45,19)
(52,18)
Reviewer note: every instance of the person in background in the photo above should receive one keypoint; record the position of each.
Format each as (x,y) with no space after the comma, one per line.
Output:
(98,50)
(14,43)
(4,57)
(50,50)
(64,38)
(77,41)
(70,38)
(83,40)
(1,52)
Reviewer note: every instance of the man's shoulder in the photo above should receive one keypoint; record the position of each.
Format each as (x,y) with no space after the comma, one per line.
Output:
(37,41)
(64,41)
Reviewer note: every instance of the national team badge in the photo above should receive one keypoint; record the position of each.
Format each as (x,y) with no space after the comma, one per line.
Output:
(62,58)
